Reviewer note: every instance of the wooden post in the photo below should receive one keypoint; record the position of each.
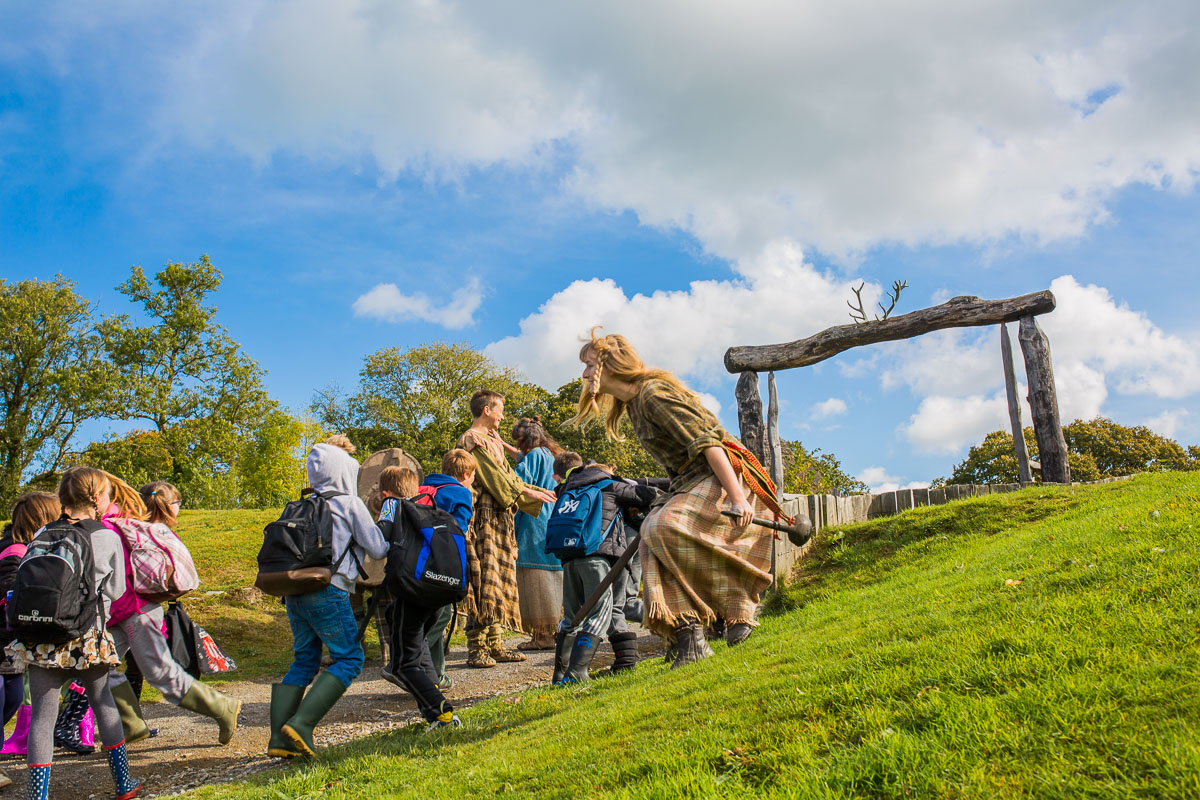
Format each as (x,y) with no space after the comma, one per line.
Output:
(774,448)
(1043,402)
(750,415)
(1014,406)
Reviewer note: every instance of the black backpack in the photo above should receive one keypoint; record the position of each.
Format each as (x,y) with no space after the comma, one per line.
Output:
(54,597)
(427,561)
(296,556)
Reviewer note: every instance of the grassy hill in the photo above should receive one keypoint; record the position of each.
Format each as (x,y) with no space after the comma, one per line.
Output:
(1036,644)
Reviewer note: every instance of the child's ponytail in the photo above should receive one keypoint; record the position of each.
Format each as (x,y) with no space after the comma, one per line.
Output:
(161,499)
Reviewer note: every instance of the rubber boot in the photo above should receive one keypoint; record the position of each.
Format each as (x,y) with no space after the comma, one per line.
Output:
(38,785)
(130,709)
(686,648)
(737,632)
(118,765)
(625,649)
(321,696)
(207,701)
(87,729)
(496,646)
(16,744)
(478,654)
(285,699)
(582,653)
(562,656)
(67,728)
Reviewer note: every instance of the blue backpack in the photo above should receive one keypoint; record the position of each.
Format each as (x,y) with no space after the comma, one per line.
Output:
(574,528)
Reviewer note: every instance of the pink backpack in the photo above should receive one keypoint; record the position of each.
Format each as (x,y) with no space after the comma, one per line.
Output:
(162,567)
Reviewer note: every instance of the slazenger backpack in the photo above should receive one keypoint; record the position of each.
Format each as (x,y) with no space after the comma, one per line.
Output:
(54,597)
(428,558)
(574,528)
(297,550)
(162,567)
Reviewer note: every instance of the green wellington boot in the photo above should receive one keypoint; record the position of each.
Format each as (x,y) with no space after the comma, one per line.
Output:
(324,692)
(208,702)
(285,699)
(130,710)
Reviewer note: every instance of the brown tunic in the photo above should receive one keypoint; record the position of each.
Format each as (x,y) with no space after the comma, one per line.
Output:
(492,540)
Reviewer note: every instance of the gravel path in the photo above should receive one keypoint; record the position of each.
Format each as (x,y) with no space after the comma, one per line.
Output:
(185,754)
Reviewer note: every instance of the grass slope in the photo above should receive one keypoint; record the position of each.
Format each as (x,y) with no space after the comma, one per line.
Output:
(1041,644)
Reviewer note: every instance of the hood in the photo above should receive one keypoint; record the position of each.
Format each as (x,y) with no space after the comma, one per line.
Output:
(585,476)
(332,469)
(438,479)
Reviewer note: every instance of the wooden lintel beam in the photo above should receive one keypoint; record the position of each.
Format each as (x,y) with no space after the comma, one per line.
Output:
(959,312)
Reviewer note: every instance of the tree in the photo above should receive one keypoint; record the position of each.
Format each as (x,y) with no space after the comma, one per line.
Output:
(419,399)
(50,368)
(189,379)
(815,472)
(185,366)
(1095,449)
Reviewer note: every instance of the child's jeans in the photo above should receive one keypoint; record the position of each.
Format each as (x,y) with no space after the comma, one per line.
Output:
(323,617)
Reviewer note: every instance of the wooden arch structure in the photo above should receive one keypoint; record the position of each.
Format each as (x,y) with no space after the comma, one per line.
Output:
(959,312)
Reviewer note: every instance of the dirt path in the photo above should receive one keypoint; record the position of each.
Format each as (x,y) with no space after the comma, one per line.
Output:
(185,754)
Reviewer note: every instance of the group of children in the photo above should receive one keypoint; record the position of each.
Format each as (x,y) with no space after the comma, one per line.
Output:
(83,521)
(700,568)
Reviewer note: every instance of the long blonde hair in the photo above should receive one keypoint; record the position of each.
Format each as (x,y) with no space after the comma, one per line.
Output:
(126,498)
(616,356)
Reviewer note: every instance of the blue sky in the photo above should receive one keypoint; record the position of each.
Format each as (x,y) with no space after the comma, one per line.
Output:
(693,176)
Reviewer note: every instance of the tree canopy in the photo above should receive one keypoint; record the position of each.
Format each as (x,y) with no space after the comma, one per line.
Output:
(1098,448)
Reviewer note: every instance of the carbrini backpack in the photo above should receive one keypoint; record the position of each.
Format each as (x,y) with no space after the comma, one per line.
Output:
(296,556)
(54,597)
(427,561)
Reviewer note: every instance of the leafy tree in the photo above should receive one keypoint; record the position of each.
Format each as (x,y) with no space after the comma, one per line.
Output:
(50,369)
(419,399)
(189,379)
(1120,450)
(1095,449)
(815,472)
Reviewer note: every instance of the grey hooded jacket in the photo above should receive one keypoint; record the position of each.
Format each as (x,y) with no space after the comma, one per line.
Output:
(332,469)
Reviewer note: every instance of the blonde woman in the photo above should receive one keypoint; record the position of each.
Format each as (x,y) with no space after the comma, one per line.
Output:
(698,565)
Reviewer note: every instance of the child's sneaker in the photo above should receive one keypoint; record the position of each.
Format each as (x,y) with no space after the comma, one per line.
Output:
(392,677)
(439,723)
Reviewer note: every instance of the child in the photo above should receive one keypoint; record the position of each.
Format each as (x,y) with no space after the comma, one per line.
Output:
(394,482)
(415,624)
(137,625)
(30,514)
(324,616)
(84,493)
(582,574)
(492,603)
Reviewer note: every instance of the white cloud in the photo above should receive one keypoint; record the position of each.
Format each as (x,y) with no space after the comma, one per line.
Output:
(879,480)
(386,302)
(1097,346)
(1168,422)
(839,125)
(710,402)
(829,408)
(685,331)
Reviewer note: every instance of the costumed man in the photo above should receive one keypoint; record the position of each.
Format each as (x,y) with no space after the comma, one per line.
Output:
(492,603)
(697,564)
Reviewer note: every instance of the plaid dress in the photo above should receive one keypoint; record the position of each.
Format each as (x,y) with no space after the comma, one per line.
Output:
(696,563)
(492,541)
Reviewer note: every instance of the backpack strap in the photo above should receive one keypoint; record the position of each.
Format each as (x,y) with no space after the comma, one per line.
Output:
(17,549)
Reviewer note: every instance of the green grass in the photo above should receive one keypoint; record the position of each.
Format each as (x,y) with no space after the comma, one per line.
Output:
(251,627)
(1035,644)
